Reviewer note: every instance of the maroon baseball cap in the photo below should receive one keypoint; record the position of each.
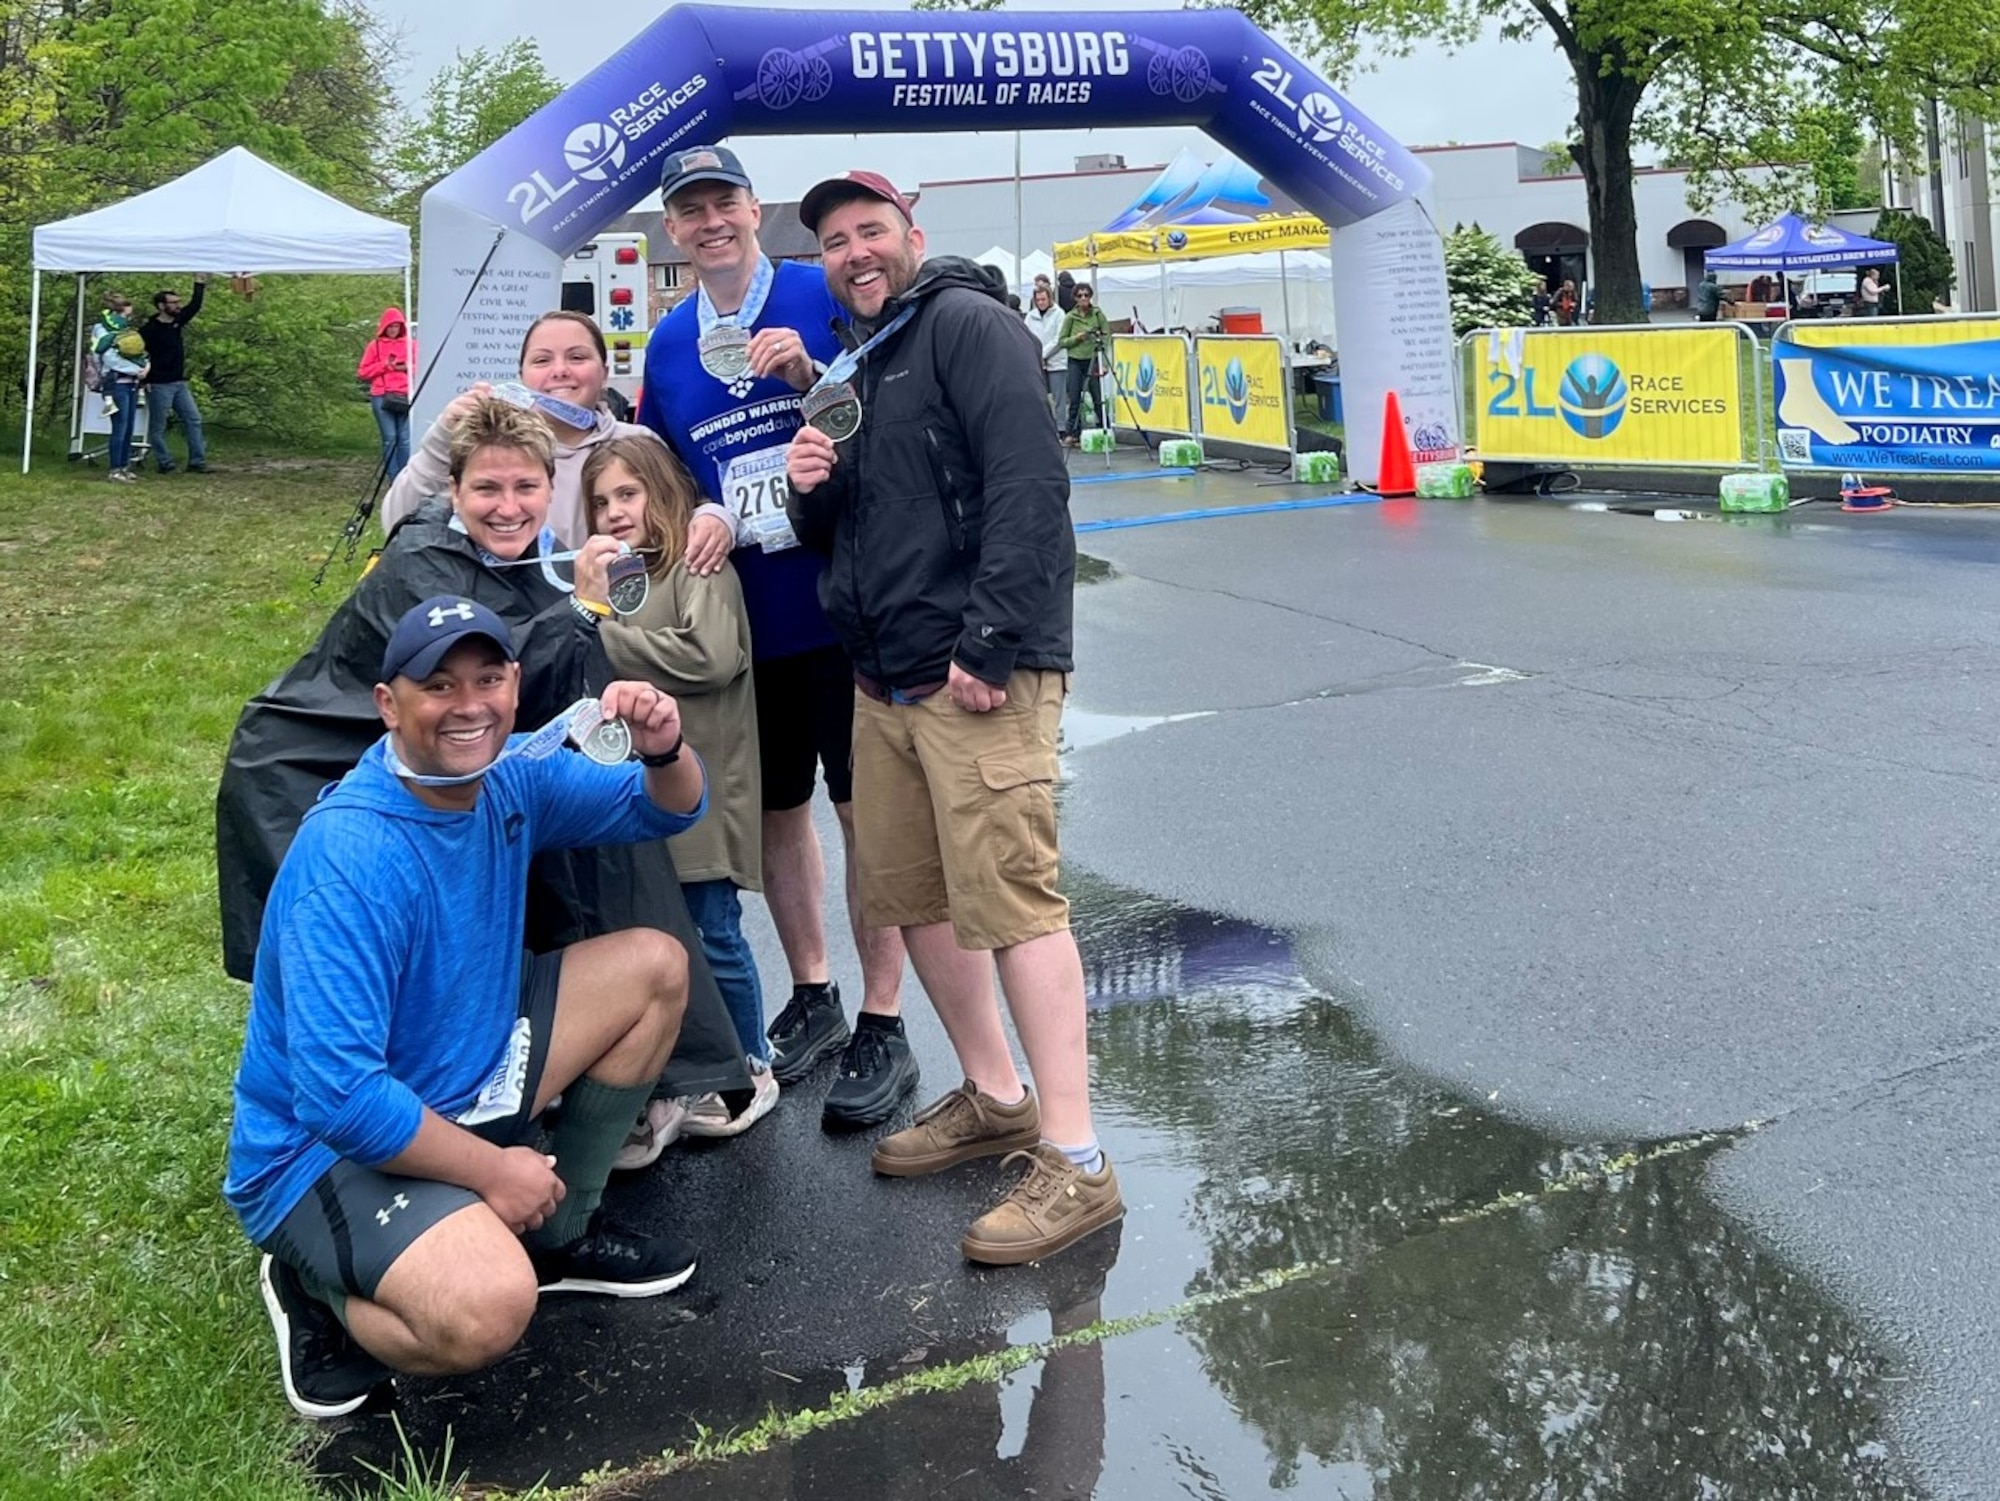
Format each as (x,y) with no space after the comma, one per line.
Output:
(838,190)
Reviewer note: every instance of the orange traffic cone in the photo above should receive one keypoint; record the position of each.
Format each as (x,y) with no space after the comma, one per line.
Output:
(1397,474)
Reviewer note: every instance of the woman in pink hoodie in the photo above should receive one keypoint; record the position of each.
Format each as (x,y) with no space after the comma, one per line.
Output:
(385,365)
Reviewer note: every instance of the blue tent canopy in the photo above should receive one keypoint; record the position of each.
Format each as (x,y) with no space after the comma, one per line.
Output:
(1791,244)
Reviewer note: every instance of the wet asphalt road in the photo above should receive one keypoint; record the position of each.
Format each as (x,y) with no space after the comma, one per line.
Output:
(1489,846)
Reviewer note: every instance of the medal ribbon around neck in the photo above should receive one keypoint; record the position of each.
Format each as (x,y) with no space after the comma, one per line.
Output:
(581,721)
(843,368)
(707,318)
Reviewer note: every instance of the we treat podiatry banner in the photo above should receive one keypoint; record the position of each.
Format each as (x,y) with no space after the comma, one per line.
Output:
(1662,396)
(1153,390)
(1916,397)
(495,231)
(1241,379)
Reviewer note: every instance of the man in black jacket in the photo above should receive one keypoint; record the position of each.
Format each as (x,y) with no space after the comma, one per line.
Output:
(167,393)
(944,509)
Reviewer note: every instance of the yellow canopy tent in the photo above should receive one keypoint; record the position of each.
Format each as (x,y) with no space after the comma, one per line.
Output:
(1189,242)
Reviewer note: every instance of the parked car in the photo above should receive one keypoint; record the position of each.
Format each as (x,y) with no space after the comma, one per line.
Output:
(1827,294)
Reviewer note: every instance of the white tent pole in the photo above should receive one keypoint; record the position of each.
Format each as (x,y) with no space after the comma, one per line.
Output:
(1285,293)
(34,339)
(76,391)
(409,338)
(1166,318)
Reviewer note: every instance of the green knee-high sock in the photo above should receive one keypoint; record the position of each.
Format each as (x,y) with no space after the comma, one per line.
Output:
(596,1119)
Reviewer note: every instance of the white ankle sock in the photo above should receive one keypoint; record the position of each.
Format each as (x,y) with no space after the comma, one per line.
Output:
(1089,1156)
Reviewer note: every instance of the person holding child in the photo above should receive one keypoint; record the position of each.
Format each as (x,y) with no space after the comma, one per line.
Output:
(691,638)
(120,350)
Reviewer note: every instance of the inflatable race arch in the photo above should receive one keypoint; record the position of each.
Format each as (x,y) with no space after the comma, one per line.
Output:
(494,232)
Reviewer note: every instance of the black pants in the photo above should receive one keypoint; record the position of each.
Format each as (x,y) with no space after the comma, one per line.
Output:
(1080,372)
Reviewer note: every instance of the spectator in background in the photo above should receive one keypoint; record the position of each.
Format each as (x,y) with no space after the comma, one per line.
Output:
(1045,321)
(1084,338)
(1065,290)
(167,393)
(1871,293)
(385,366)
(1707,298)
(1566,304)
(121,361)
(1540,306)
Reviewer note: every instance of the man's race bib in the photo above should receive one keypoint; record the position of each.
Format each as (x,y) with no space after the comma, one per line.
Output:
(501,1095)
(754,488)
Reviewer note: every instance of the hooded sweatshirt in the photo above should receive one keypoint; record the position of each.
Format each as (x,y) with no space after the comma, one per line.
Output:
(388,978)
(385,363)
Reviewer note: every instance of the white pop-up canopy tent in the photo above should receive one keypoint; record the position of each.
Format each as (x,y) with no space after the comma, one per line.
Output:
(1195,291)
(1034,263)
(234,215)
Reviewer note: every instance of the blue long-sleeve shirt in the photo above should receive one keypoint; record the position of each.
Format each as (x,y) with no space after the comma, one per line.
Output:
(388,973)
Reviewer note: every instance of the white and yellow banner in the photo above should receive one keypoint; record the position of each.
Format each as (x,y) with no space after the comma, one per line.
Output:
(1153,389)
(1242,391)
(1664,396)
(1192,242)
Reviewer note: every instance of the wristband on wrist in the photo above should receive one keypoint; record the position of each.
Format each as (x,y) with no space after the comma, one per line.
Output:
(666,758)
(589,609)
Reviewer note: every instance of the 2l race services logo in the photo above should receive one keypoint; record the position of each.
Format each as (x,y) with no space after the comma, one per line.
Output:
(1668,397)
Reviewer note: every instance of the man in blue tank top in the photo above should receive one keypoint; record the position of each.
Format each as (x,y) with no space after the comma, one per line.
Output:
(724,371)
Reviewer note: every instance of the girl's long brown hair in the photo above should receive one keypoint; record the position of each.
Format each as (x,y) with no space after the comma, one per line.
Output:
(670,493)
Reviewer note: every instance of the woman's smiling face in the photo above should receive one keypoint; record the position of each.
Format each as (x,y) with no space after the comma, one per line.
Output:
(502,499)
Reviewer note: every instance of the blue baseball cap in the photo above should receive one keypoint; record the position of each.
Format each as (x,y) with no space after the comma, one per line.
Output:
(429,630)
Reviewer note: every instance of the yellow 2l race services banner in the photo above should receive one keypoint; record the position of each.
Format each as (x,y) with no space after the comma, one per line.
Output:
(1153,383)
(1242,384)
(1662,396)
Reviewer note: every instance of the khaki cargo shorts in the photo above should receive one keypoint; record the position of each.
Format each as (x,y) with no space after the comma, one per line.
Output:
(955,813)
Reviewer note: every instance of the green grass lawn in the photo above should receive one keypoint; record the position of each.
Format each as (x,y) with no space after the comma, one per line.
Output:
(135,1357)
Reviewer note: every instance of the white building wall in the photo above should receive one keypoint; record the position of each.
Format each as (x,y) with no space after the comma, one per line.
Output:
(1495,185)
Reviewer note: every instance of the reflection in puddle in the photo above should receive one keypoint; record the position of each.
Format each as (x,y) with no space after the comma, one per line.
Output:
(1627,1341)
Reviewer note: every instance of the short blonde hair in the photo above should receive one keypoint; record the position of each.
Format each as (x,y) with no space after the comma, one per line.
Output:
(500,424)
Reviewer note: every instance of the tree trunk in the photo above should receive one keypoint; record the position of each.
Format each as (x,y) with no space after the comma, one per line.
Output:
(1606,103)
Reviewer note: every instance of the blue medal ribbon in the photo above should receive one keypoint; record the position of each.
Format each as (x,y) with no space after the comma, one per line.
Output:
(707,318)
(843,368)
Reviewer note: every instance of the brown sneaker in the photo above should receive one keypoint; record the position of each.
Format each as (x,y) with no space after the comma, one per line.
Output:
(1054,1206)
(957,1128)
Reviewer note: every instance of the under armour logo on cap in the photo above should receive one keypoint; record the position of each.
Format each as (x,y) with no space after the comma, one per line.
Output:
(428,630)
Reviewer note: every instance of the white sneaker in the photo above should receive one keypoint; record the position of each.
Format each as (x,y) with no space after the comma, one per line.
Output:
(708,1115)
(657,1129)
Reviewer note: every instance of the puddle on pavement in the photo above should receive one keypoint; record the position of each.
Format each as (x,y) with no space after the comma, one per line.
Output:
(1091,570)
(1622,1340)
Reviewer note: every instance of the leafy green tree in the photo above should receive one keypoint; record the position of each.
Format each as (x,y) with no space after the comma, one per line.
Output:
(1925,272)
(469,105)
(107,98)
(1491,286)
(1712,85)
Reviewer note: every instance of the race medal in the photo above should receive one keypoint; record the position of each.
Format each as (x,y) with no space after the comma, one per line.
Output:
(725,351)
(628,583)
(835,410)
(605,741)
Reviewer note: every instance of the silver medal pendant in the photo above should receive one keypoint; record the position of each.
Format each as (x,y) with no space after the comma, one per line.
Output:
(627,584)
(835,410)
(725,351)
(605,741)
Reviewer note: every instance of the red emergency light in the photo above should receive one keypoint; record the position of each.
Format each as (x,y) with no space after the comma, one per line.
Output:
(621,296)
(627,255)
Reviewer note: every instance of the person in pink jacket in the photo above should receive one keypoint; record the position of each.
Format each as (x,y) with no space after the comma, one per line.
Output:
(385,366)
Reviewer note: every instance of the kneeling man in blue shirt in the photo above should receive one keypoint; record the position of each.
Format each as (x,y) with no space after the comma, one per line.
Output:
(401,1045)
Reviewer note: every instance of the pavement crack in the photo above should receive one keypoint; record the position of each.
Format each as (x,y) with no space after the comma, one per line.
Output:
(1272,604)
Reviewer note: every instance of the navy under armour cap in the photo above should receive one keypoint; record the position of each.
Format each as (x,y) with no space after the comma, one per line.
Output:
(429,630)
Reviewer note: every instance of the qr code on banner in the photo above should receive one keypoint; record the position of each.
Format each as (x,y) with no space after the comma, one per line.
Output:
(1794,445)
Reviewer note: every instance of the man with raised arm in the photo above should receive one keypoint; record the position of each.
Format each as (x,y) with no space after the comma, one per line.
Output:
(401,1045)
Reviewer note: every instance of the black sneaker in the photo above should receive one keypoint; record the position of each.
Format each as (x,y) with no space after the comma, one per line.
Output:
(326,1374)
(811,1026)
(876,1072)
(616,1262)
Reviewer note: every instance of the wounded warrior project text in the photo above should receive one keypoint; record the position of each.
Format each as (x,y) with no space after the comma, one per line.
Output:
(952,67)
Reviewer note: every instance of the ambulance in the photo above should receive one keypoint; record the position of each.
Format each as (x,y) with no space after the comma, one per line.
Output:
(606,279)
